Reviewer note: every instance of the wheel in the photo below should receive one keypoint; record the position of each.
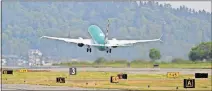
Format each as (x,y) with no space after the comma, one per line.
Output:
(90,49)
(107,51)
(87,49)
(110,50)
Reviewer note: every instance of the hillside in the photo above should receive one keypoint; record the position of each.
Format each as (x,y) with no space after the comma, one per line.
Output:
(24,22)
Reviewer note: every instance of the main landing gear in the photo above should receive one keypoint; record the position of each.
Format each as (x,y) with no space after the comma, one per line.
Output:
(89,49)
(109,51)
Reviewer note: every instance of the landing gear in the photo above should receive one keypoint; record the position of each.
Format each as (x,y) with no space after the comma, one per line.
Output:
(109,51)
(89,49)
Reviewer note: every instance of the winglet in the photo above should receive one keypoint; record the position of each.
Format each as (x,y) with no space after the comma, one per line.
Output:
(161,40)
(42,37)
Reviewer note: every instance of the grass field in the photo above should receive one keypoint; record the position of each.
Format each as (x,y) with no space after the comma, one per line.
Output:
(102,80)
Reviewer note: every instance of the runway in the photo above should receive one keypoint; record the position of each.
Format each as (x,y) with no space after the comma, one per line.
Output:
(38,87)
(123,70)
(139,70)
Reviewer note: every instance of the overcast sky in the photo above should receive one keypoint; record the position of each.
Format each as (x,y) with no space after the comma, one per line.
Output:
(197,5)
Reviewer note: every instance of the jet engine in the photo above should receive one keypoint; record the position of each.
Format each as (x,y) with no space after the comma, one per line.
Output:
(114,46)
(80,44)
(114,39)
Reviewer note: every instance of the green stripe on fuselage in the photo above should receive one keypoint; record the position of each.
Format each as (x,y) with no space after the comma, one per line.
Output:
(97,35)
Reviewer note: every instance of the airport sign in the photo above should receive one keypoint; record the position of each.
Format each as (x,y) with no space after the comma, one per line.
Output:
(189,83)
(114,79)
(173,74)
(7,71)
(60,80)
(201,75)
(23,70)
(72,71)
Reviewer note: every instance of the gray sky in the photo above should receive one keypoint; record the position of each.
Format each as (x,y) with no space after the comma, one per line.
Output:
(197,5)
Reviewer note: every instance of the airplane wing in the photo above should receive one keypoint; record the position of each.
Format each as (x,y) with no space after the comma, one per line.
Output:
(115,42)
(110,43)
(80,40)
(76,41)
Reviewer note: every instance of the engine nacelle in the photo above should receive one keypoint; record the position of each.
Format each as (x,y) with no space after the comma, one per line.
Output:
(114,39)
(80,44)
(114,46)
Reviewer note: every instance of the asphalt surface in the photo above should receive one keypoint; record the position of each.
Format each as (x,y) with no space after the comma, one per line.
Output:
(124,70)
(38,87)
(139,70)
(121,70)
(22,87)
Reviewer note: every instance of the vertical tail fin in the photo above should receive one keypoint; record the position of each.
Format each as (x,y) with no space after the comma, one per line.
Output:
(107,32)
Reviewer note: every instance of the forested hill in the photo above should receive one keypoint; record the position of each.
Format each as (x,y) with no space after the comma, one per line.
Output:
(24,22)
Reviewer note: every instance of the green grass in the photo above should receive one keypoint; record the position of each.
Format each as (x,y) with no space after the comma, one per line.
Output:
(101,80)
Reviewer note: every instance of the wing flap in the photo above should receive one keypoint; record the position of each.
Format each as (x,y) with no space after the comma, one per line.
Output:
(84,41)
(131,42)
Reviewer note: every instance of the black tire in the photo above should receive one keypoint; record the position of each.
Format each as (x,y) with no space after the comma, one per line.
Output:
(110,50)
(90,49)
(87,49)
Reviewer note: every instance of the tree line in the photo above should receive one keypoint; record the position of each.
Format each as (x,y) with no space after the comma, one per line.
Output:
(23,23)
(199,52)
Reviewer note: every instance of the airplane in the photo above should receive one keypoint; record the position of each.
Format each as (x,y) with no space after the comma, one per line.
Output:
(100,41)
